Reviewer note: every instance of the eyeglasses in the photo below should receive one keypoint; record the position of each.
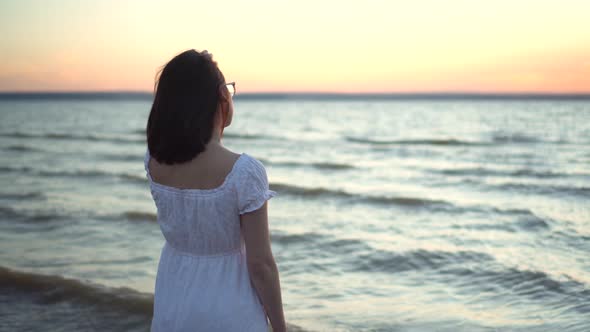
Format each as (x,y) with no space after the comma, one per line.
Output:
(231,87)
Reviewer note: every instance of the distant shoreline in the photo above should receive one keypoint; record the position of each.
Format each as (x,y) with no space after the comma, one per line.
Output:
(130,95)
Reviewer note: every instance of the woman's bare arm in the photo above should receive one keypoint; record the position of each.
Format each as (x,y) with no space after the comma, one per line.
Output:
(262,266)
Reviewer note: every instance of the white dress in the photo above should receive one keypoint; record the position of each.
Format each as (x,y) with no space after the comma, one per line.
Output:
(202,283)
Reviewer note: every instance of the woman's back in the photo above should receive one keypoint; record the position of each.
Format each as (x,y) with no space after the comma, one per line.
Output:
(207,170)
(202,278)
(205,220)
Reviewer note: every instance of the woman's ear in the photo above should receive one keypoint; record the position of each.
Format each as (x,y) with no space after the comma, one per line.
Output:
(224,94)
(225,105)
(223,115)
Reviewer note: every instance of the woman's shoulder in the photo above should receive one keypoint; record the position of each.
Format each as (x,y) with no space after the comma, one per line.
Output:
(252,186)
(252,163)
(250,169)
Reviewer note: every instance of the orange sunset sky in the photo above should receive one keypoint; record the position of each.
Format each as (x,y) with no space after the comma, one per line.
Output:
(301,46)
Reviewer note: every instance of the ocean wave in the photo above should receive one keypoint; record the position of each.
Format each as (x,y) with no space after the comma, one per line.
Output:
(495,139)
(528,223)
(323,244)
(527,283)
(391,262)
(288,239)
(514,138)
(33,216)
(357,255)
(525,212)
(30,216)
(474,269)
(122,157)
(248,136)
(24,169)
(82,137)
(478,179)
(380,200)
(532,223)
(8,212)
(331,166)
(73,173)
(550,189)
(486,209)
(22,195)
(346,244)
(482,171)
(140,216)
(81,173)
(22,148)
(433,141)
(131,177)
(317,165)
(308,192)
(53,288)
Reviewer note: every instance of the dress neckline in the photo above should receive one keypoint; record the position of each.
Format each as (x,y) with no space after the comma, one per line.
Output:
(191,190)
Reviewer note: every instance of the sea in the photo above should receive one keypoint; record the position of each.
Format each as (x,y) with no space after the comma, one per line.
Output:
(393,213)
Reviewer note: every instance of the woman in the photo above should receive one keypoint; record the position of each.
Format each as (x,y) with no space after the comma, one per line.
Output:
(216,269)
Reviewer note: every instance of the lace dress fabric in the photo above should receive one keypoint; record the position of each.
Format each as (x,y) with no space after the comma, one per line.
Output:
(202,282)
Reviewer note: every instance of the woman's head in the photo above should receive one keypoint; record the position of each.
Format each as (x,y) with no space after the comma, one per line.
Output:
(191,105)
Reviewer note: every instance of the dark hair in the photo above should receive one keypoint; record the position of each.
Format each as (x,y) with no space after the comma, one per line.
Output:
(180,123)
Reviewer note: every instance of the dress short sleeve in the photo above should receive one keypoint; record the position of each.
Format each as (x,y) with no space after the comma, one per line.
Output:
(252,188)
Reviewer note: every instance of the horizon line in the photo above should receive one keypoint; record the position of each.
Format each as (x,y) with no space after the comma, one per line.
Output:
(142,94)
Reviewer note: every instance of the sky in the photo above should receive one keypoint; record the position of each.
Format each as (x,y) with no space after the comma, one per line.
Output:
(516,46)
